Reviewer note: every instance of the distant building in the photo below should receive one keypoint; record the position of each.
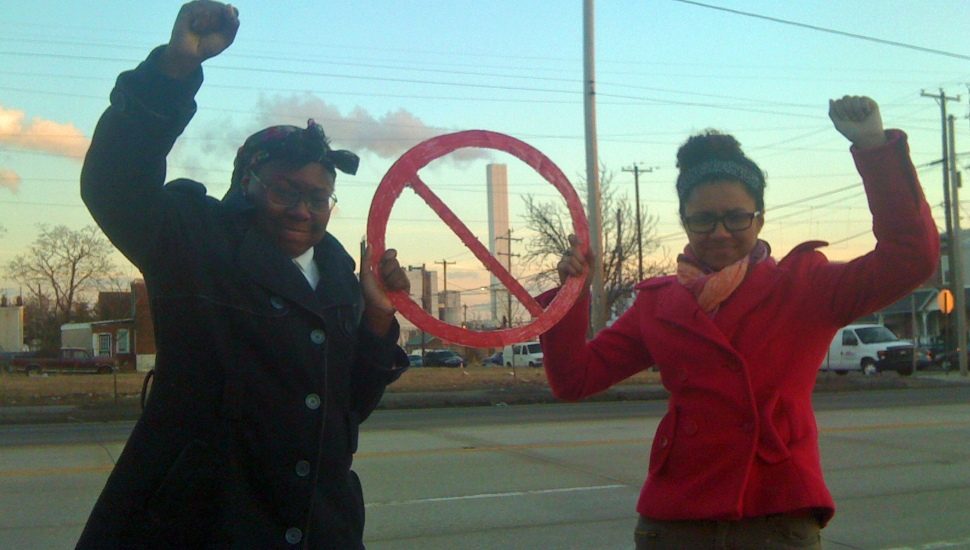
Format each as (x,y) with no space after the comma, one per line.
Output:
(11,324)
(497,187)
(129,338)
(424,292)
(449,310)
(113,305)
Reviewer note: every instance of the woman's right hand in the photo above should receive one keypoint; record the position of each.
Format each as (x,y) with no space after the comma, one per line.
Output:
(203,29)
(573,263)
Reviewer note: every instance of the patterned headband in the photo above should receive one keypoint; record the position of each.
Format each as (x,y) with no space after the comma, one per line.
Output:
(292,143)
(712,169)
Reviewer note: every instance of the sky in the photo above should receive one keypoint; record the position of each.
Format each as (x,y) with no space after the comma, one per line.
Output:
(383,76)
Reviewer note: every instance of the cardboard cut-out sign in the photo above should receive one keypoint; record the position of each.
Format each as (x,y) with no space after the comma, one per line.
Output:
(404,173)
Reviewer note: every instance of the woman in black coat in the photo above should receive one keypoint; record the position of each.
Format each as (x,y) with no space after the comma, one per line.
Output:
(270,350)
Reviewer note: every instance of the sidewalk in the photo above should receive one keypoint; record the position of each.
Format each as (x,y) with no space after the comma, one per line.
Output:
(128,409)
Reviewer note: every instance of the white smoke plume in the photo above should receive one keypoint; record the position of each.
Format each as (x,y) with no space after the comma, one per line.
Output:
(40,134)
(388,136)
(9,180)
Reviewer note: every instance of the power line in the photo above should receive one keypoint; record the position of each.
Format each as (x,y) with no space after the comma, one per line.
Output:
(827,30)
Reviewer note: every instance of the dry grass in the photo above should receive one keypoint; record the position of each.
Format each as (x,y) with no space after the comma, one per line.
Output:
(18,389)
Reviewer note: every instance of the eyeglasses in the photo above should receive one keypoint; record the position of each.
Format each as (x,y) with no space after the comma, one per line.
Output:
(705,222)
(317,202)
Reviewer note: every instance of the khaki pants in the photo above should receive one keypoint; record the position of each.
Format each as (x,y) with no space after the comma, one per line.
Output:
(774,532)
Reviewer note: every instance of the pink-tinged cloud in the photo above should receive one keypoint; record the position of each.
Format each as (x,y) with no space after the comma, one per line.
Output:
(41,135)
(388,136)
(9,180)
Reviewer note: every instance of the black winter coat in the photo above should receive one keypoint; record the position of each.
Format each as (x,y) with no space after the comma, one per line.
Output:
(247,438)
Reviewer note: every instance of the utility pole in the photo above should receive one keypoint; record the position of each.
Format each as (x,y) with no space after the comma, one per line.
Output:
(957,269)
(444,269)
(952,239)
(636,188)
(593,204)
(443,307)
(508,266)
(425,303)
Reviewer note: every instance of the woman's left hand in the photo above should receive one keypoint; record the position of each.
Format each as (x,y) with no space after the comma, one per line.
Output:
(858,119)
(378,309)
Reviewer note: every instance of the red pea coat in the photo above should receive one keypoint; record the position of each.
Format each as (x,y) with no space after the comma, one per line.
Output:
(739,438)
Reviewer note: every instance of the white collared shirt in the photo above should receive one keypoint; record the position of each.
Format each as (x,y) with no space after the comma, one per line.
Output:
(308,267)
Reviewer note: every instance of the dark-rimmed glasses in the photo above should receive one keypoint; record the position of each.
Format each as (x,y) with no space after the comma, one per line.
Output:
(705,222)
(319,202)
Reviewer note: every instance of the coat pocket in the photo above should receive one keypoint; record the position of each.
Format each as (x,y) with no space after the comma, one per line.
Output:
(188,500)
(776,433)
(663,440)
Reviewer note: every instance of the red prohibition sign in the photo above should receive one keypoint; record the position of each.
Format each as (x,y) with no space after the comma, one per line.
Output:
(404,173)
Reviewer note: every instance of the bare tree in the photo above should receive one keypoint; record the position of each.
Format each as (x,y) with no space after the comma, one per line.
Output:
(57,270)
(551,225)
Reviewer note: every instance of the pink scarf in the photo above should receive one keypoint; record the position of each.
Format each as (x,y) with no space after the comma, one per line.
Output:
(712,287)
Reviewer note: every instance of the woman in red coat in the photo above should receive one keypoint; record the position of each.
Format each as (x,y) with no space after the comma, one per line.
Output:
(738,338)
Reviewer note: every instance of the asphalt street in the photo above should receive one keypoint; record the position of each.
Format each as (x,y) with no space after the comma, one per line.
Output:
(550,475)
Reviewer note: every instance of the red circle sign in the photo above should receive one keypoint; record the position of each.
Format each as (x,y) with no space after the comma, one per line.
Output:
(404,173)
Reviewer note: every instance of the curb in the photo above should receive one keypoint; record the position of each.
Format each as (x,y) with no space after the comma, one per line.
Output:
(129,409)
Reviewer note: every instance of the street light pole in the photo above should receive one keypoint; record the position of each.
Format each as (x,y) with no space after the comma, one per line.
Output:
(593,205)
(952,238)
(957,269)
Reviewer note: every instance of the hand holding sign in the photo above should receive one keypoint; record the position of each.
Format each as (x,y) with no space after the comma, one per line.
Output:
(404,173)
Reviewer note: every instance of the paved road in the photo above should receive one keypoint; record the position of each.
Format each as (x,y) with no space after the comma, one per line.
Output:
(550,476)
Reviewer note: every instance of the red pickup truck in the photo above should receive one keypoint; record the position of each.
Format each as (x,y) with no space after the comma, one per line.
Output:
(69,361)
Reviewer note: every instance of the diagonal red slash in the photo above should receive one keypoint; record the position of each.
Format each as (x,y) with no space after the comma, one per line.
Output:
(476,246)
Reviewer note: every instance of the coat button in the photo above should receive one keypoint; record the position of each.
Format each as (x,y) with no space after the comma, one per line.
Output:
(277,302)
(294,535)
(318,336)
(663,441)
(302,468)
(312,401)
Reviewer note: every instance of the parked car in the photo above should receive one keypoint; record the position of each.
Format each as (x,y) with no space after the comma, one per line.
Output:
(7,356)
(900,359)
(526,354)
(857,347)
(443,358)
(493,359)
(415,360)
(68,361)
(946,360)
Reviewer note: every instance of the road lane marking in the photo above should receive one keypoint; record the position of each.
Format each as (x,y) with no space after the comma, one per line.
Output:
(481,496)
(961,543)
(502,448)
(61,471)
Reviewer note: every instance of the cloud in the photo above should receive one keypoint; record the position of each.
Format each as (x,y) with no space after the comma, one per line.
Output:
(9,180)
(47,136)
(387,136)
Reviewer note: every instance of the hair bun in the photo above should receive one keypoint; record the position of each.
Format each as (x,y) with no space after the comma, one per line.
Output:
(708,145)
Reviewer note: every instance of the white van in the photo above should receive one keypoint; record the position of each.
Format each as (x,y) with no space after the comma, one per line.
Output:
(526,354)
(857,347)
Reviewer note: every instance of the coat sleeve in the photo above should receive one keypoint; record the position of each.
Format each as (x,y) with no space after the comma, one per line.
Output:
(380,361)
(124,169)
(907,242)
(576,368)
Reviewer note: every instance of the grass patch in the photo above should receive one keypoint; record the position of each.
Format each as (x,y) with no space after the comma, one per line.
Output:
(68,389)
